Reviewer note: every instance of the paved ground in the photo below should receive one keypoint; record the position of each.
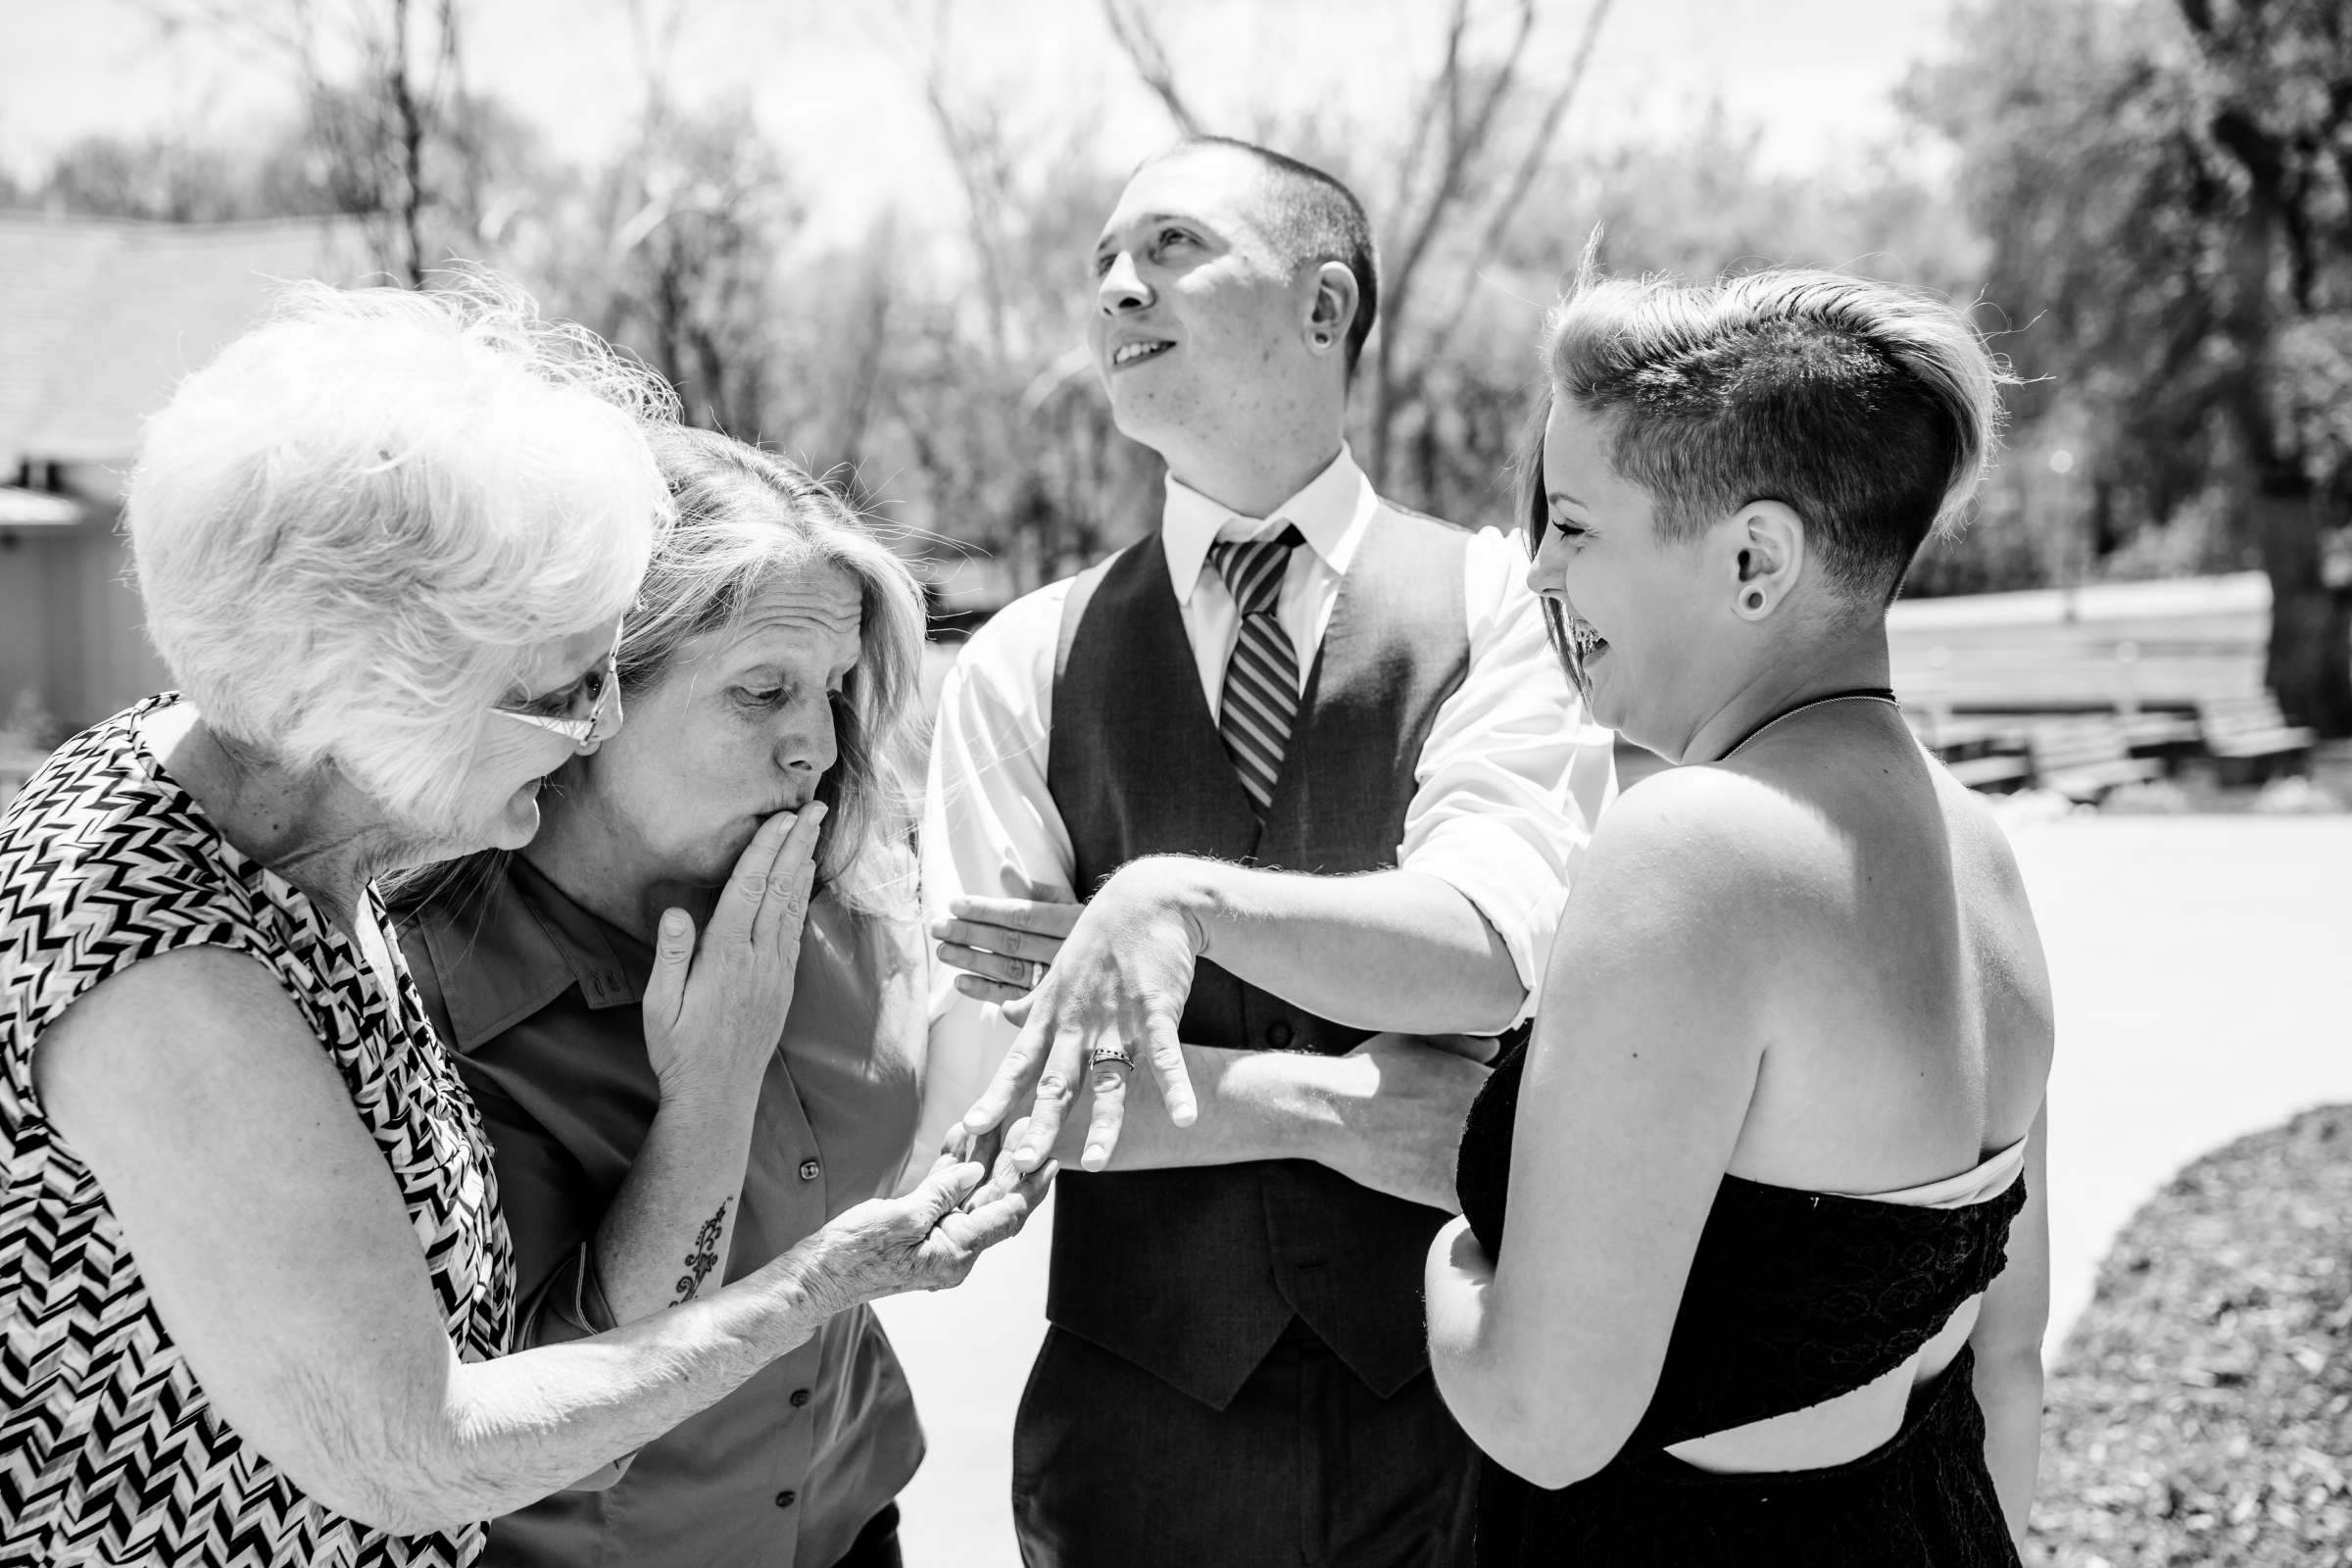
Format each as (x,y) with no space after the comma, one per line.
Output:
(2202,993)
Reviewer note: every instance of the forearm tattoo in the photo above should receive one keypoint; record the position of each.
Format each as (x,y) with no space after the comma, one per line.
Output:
(705,1256)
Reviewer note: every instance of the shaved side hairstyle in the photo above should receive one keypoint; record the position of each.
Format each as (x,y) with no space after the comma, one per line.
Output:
(1310,218)
(1871,411)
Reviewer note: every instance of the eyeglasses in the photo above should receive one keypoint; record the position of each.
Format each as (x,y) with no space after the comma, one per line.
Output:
(600,689)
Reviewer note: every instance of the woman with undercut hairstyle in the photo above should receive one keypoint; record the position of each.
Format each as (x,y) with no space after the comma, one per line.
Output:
(1752,1266)
(769,666)
(256,1294)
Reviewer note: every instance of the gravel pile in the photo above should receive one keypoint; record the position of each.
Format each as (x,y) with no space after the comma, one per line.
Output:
(2202,1409)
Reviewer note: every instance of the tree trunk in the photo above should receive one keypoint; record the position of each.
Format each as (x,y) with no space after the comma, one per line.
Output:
(2309,665)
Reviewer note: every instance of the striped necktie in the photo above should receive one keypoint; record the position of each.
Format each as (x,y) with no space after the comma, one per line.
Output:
(1261,678)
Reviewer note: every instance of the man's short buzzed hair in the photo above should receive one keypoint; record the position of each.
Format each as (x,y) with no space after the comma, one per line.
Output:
(1310,218)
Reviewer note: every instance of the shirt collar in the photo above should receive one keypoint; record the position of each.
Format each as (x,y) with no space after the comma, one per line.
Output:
(1331,514)
(503,952)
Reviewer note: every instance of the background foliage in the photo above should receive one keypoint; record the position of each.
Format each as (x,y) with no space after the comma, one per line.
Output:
(2149,200)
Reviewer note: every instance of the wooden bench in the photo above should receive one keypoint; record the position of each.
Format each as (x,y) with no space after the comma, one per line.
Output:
(1983,755)
(2249,737)
(1995,772)
(2083,758)
(2170,736)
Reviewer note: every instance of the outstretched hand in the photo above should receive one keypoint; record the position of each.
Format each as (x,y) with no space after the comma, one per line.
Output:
(925,1241)
(1108,1007)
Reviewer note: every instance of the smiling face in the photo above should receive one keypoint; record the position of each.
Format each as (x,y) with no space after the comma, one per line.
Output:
(740,726)
(1647,617)
(500,804)
(1199,329)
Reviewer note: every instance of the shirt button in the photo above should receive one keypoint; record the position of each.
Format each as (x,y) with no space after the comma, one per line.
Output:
(785,1499)
(808,1170)
(1278,1033)
(799,1398)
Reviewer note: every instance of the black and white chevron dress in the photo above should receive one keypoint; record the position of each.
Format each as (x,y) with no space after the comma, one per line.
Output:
(110,1453)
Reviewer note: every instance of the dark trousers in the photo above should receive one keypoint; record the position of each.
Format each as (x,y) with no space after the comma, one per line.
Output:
(1112,1468)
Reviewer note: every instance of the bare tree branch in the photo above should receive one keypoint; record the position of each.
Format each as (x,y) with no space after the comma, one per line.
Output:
(1465,140)
(1531,164)
(1132,27)
(969,147)
(1425,114)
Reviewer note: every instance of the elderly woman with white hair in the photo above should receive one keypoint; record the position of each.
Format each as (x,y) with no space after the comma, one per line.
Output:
(256,1297)
(771,668)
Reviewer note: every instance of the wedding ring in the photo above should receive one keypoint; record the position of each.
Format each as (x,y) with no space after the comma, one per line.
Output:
(1102,1054)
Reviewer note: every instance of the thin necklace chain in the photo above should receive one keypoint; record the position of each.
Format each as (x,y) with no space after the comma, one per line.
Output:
(1791,712)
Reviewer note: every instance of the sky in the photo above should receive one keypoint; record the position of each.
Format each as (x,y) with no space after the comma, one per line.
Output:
(838,83)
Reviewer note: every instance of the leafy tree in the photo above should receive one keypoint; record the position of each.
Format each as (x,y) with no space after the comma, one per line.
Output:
(2167,186)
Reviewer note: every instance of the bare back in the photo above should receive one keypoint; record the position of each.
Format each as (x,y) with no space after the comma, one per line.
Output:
(1907,1026)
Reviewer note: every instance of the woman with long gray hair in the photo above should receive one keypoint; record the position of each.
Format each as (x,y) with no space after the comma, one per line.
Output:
(769,668)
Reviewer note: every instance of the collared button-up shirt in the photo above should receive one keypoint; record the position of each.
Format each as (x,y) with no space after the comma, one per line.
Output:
(541,998)
(1507,786)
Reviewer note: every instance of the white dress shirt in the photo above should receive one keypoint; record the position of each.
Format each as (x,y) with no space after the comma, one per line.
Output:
(1506,787)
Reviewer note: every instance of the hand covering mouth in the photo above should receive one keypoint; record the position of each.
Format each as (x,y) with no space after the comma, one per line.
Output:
(1137,351)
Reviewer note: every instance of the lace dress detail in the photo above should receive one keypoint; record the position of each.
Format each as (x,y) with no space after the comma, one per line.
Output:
(110,1453)
(1793,1299)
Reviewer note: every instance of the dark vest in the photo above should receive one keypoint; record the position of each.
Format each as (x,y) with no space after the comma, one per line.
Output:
(1194,1274)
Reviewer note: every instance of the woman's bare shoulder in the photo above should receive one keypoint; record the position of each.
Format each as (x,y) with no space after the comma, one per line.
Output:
(1714,833)
(205,989)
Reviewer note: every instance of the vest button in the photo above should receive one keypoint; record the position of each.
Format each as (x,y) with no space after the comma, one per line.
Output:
(809,1169)
(1278,1033)
(785,1499)
(799,1398)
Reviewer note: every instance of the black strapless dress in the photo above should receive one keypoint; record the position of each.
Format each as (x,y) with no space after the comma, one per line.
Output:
(1793,1297)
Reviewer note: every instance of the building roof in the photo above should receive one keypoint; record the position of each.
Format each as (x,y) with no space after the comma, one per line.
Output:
(100,317)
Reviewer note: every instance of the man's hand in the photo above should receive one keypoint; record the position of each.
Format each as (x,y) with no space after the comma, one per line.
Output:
(1003,945)
(1118,983)
(1406,1113)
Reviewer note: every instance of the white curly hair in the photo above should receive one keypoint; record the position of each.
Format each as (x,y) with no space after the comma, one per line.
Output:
(353,524)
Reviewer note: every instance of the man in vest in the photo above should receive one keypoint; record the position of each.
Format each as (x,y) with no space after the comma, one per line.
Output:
(1310,762)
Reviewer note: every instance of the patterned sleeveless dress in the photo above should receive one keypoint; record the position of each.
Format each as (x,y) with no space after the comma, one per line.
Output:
(110,1453)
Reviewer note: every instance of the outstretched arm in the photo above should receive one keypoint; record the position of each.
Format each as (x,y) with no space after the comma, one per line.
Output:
(1388,1115)
(1398,949)
(284,1264)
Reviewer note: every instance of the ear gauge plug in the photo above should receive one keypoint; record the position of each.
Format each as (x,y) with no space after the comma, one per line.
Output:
(1754,599)
(1323,340)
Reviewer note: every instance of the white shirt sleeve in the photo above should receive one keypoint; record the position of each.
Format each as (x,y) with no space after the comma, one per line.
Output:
(1513,772)
(990,829)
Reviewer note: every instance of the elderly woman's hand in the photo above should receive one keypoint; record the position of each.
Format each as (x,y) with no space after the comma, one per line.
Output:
(714,1010)
(1003,945)
(925,1241)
